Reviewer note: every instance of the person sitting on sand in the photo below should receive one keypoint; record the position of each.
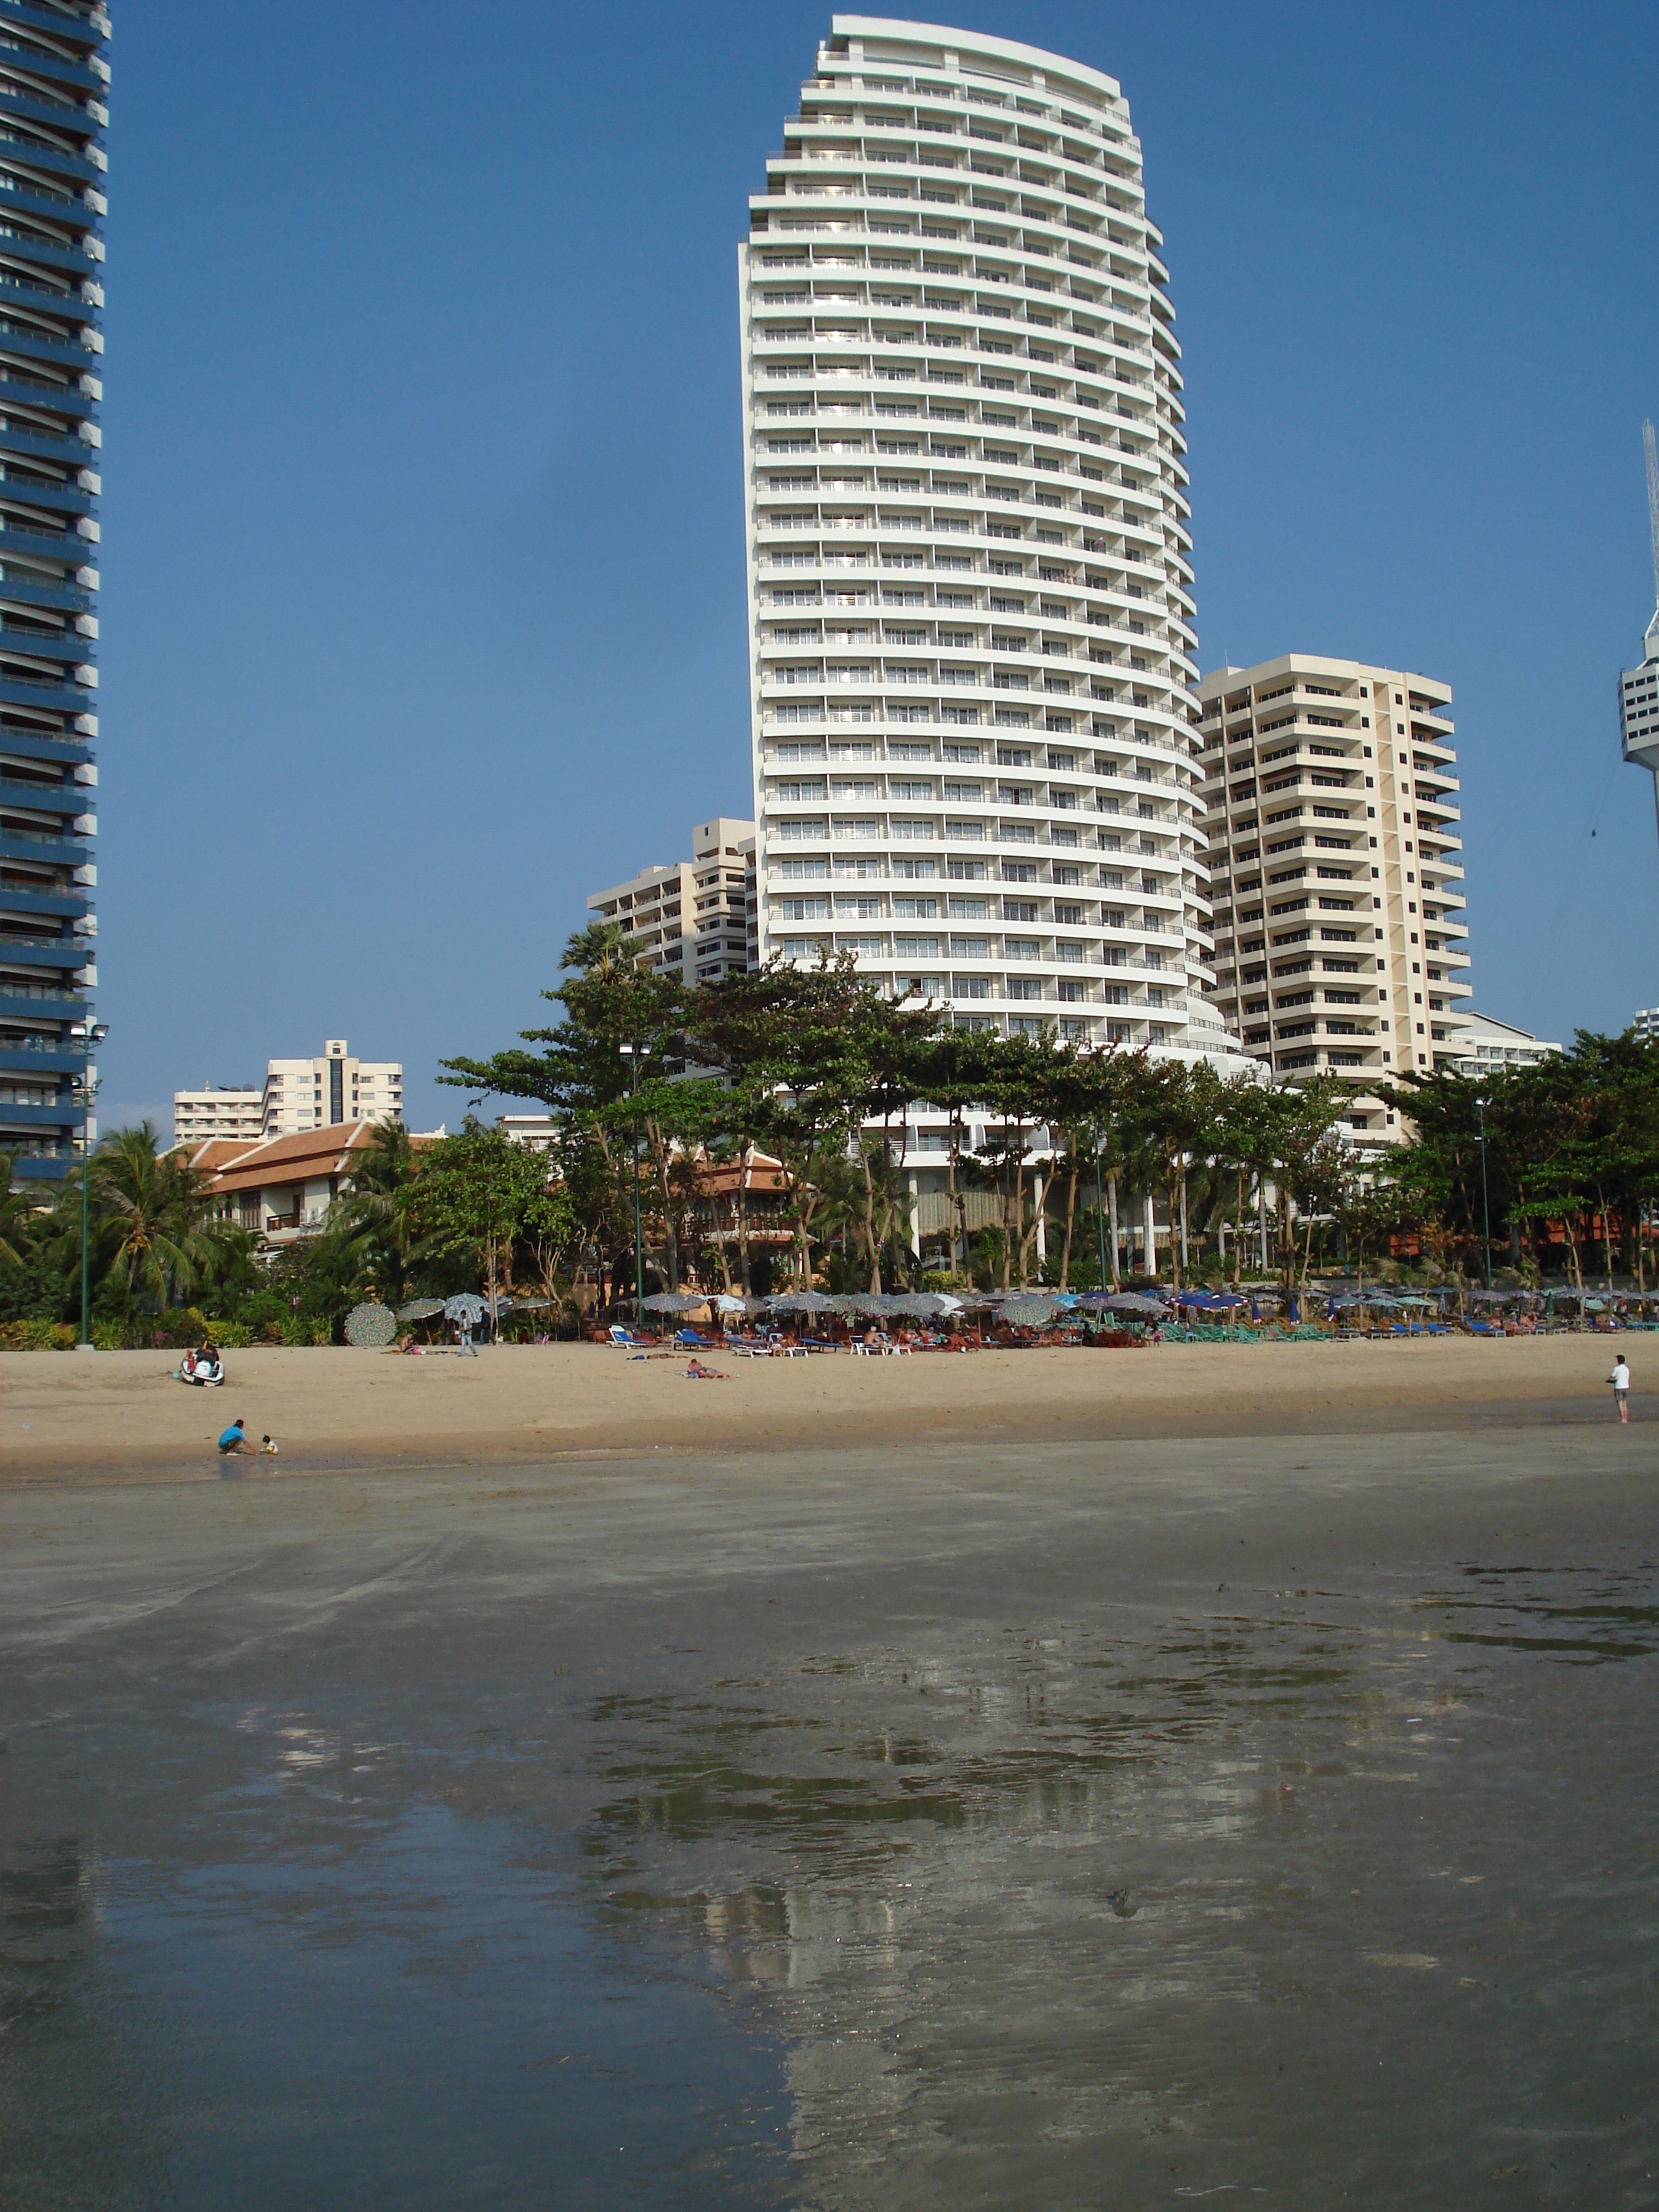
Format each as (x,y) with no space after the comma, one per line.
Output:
(235,1438)
(699,1373)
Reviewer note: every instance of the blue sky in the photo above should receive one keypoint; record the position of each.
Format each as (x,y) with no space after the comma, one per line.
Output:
(423,551)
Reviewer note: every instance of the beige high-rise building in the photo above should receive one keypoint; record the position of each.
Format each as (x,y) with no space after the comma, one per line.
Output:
(317,1094)
(698,915)
(1336,863)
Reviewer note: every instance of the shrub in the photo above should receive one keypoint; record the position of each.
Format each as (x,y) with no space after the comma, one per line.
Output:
(37,1336)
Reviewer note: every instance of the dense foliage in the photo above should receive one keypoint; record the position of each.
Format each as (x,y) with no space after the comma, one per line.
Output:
(820,1070)
(162,1270)
(660,1096)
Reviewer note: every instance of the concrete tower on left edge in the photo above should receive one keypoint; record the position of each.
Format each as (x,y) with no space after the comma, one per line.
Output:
(54,90)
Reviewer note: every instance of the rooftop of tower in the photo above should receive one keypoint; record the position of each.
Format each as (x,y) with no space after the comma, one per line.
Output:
(977,42)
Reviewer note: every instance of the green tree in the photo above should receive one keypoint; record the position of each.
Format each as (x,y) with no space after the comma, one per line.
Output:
(481,1191)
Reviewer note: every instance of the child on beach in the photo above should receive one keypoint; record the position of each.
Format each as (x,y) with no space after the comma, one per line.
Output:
(1620,1379)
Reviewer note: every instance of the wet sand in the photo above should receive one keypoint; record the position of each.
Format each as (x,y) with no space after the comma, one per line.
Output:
(1057,1824)
(121,1416)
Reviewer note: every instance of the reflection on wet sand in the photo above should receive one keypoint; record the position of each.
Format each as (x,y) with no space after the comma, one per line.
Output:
(1086,1858)
(1091,1912)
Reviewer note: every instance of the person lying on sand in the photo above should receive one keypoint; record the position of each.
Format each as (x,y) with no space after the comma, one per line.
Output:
(698,1373)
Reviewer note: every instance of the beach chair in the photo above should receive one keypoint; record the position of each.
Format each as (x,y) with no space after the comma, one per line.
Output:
(618,1334)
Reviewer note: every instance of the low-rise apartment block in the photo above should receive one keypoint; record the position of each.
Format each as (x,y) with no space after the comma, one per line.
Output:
(231,1109)
(697,918)
(1487,1046)
(1336,865)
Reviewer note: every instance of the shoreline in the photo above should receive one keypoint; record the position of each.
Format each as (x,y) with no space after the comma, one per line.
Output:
(67,1418)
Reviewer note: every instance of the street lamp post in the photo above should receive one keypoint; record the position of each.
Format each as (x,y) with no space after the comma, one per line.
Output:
(1486,1210)
(1100,1221)
(634,1054)
(90,1033)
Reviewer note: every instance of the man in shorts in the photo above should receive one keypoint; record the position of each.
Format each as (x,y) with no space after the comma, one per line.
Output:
(1620,1379)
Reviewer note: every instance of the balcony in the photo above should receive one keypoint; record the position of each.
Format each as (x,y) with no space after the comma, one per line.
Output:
(34,491)
(53,952)
(44,798)
(24,539)
(45,1165)
(43,299)
(37,1056)
(35,691)
(35,845)
(65,1114)
(18,337)
(74,450)
(42,745)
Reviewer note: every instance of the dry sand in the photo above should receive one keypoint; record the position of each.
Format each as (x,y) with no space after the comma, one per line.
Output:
(110,1415)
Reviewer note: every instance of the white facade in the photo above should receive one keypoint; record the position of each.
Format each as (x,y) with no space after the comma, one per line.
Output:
(334,1088)
(696,916)
(970,591)
(1645,1022)
(1487,1046)
(1336,851)
(1638,687)
(231,1110)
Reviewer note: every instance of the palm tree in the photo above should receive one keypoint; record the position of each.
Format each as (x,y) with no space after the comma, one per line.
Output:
(152,1210)
(17,1215)
(380,1212)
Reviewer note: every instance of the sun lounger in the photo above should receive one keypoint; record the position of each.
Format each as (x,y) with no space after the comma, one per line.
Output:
(620,1335)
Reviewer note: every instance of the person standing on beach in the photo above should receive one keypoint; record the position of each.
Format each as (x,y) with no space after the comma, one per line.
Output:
(1620,1379)
(467,1349)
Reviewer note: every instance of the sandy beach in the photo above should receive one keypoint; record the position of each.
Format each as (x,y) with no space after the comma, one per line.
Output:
(120,1415)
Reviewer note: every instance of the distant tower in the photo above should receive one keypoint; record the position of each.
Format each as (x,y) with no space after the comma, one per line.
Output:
(1638,687)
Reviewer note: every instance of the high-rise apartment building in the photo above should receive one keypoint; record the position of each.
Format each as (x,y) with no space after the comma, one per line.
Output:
(313,1094)
(1336,860)
(1638,687)
(695,917)
(54,84)
(970,592)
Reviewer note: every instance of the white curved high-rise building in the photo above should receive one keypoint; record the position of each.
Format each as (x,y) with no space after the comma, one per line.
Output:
(970,587)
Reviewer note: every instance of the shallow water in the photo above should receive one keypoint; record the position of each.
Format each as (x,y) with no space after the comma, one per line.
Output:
(837,1833)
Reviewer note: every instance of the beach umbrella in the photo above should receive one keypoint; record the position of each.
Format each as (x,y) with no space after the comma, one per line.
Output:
(675,1301)
(728,1303)
(420,1310)
(1028,1312)
(371,1327)
(466,1305)
(811,1302)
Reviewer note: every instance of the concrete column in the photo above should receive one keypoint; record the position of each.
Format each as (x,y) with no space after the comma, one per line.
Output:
(1149,1231)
